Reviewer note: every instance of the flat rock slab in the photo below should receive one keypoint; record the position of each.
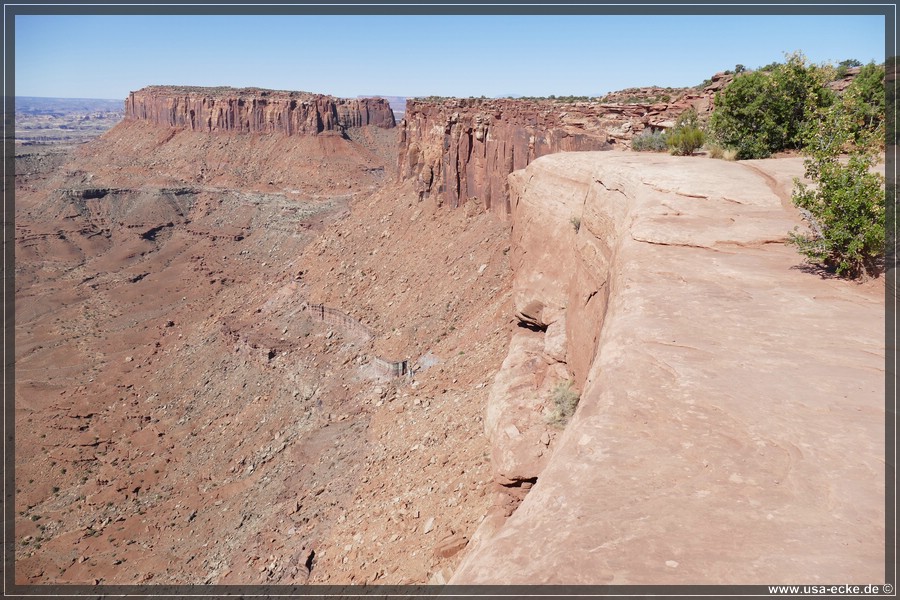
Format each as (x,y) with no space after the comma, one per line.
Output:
(731,428)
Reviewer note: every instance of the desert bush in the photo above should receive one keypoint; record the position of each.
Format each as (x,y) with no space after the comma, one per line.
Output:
(715,150)
(845,209)
(864,99)
(576,223)
(686,137)
(764,111)
(649,141)
(685,142)
(565,401)
(719,151)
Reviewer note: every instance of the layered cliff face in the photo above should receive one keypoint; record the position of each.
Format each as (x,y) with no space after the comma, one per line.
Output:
(462,150)
(252,110)
(309,145)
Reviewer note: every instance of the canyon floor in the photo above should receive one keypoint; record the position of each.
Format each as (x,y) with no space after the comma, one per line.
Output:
(183,417)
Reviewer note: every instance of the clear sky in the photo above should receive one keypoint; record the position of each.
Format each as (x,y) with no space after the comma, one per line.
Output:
(108,56)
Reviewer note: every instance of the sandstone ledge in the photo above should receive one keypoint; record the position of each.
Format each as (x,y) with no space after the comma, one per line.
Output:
(731,424)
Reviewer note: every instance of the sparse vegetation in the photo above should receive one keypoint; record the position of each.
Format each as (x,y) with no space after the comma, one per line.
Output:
(565,401)
(770,67)
(576,223)
(649,141)
(645,95)
(715,150)
(686,137)
(554,98)
(431,98)
(844,66)
(719,151)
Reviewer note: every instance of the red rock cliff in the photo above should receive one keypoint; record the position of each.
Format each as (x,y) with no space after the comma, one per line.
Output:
(253,110)
(463,149)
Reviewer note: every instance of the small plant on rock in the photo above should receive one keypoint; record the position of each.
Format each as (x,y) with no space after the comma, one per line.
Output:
(565,401)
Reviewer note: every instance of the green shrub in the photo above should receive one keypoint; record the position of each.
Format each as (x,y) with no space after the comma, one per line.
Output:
(686,137)
(685,142)
(576,223)
(649,141)
(565,401)
(845,209)
(764,111)
(864,99)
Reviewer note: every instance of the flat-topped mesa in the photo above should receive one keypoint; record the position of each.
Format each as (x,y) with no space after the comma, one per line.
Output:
(254,110)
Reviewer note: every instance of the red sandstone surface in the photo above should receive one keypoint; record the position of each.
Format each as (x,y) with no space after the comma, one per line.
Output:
(730,428)
(182,417)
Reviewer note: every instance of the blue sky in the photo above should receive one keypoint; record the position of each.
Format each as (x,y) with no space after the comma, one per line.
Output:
(108,56)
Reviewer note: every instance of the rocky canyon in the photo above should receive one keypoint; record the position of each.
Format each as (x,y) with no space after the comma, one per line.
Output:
(279,338)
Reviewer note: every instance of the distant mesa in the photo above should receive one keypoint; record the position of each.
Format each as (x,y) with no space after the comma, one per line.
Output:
(254,110)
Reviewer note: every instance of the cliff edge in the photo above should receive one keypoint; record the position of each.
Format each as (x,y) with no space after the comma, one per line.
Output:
(462,149)
(731,422)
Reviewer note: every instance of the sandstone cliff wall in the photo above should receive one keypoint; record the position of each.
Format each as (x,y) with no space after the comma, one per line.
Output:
(254,110)
(462,150)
